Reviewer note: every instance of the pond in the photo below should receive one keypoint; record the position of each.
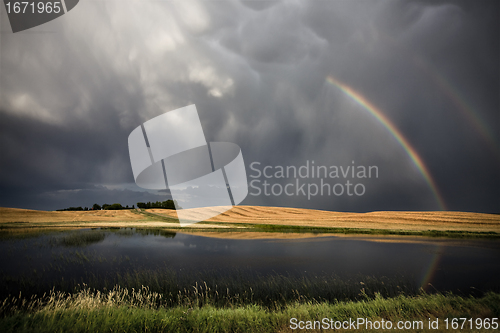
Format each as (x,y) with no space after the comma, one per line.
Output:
(34,263)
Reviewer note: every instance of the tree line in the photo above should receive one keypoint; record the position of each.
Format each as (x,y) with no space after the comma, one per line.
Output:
(168,204)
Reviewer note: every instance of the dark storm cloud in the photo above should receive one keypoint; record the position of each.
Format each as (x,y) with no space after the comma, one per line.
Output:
(83,197)
(257,73)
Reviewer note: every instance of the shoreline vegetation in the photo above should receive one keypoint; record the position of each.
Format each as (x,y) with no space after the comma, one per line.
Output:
(120,310)
(164,300)
(254,222)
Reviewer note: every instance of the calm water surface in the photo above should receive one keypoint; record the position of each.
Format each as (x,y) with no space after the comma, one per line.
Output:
(447,264)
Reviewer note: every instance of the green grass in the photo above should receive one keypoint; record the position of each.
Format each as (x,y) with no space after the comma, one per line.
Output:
(221,289)
(122,310)
(227,302)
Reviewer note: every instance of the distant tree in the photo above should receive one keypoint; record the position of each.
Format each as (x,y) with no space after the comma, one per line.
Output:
(169,204)
(96,207)
(86,208)
(115,206)
(71,209)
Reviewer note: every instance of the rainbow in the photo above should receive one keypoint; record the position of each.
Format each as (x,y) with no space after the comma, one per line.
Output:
(461,104)
(412,153)
(453,94)
(431,269)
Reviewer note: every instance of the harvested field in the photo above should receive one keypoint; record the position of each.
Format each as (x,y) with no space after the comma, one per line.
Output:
(255,215)
(415,221)
(27,218)
(28,215)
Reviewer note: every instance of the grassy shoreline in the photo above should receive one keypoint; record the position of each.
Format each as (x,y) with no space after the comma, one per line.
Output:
(170,301)
(122,310)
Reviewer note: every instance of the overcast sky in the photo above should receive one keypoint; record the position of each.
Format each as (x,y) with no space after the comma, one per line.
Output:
(74,88)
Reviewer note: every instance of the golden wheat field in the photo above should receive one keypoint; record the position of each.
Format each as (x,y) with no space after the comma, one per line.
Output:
(373,220)
(14,217)
(391,220)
